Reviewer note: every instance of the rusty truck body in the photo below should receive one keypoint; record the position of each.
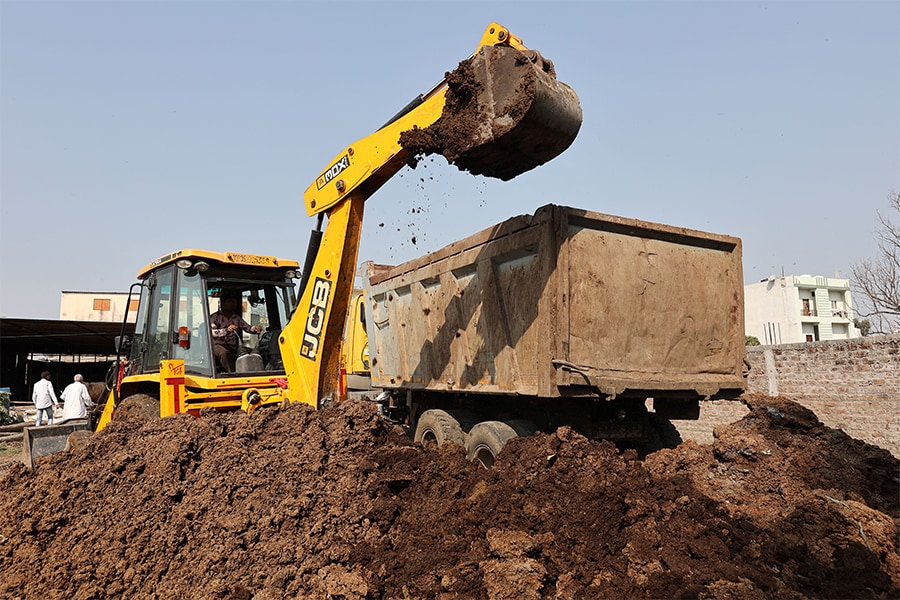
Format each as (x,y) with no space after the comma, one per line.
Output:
(563,317)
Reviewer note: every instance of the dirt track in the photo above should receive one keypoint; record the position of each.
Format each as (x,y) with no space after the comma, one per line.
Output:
(293,503)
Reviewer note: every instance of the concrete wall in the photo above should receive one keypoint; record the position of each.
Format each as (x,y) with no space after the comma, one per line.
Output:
(89,306)
(853,385)
(771,311)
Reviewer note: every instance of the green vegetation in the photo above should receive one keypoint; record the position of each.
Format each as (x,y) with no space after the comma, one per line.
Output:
(5,417)
(751,340)
(863,325)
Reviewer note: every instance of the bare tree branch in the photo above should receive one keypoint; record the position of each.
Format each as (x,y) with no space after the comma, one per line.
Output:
(876,281)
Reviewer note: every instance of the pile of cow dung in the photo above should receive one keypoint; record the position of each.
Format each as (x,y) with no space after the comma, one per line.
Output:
(290,502)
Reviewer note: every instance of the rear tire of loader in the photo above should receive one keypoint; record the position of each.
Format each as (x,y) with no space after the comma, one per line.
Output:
(137,407)
(486,440)
(437,427)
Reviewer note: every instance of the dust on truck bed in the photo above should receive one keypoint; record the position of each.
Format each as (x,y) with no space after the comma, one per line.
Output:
(565,302)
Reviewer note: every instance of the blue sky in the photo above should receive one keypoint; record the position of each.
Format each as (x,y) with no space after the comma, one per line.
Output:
(131,129)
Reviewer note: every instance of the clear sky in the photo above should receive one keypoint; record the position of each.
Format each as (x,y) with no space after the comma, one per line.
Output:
(131,129)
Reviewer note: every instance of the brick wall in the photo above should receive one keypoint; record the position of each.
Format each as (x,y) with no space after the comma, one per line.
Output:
(852,385)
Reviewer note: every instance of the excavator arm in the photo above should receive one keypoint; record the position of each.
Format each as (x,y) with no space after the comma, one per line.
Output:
(514,115)
(373,160)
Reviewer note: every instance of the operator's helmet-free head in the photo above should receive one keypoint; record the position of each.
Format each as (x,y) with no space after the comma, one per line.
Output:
(232,295)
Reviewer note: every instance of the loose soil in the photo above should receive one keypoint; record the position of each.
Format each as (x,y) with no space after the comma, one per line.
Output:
(289,502)
(504,113)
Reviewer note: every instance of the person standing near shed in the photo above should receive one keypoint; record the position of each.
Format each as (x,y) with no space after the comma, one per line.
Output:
(76,400)
(44,398)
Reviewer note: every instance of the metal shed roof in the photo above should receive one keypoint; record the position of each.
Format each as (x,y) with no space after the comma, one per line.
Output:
(45,336)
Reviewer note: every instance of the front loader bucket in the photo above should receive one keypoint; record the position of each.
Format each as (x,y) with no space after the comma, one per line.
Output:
(42,441)
(505,113)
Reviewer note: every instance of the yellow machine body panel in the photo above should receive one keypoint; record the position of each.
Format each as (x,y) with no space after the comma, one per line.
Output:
(234,258)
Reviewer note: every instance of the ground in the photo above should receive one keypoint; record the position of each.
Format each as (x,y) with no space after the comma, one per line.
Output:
(289,502)
(10,454)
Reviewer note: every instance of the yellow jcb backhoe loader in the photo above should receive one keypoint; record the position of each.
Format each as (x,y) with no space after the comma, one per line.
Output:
(501,113)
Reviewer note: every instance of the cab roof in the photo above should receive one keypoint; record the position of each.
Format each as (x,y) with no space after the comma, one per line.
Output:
(221,258)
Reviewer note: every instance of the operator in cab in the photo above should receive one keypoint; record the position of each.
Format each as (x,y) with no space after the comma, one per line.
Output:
(224,323)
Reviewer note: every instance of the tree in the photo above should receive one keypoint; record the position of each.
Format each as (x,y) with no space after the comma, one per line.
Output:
(876,281)
(6,417)
(751,340)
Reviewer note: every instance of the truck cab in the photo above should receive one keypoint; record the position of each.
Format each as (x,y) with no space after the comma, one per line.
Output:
(355,348)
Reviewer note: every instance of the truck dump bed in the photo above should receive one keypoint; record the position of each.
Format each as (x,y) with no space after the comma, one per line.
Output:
(565,302)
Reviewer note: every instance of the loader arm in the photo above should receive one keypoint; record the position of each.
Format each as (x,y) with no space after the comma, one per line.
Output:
(311,342)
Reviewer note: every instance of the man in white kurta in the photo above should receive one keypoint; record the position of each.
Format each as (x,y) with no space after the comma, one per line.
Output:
(44,398)
(76,400)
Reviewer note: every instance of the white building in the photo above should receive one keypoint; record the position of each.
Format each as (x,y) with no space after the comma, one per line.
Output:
(97,306)
(798,308)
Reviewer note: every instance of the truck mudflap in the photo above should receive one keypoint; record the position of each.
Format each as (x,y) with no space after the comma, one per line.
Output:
(45,440)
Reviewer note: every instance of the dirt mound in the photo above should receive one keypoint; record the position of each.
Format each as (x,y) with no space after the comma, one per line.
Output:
(289,502)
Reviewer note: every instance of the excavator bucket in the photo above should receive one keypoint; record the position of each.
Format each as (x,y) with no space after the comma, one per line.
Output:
(505,113)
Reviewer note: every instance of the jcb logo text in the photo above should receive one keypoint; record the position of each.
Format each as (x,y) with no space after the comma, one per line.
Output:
(315,320)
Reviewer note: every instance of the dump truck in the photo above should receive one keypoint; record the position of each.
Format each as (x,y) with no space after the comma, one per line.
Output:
(500,113)
(564,317)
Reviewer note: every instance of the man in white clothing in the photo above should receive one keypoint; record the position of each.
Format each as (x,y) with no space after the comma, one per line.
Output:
(76,400)
(44,398)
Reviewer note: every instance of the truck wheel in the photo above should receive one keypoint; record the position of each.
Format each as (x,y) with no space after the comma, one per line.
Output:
(522,427)
(137,407)
(486,440)
(437,427)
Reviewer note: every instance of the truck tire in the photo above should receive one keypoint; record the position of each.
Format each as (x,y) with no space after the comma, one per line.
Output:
(522,427)
(486,440)
(437,427)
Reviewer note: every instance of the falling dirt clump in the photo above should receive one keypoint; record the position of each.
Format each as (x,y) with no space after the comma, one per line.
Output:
(291,502)
(504,113)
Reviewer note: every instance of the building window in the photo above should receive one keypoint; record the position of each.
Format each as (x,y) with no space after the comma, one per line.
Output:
(133,305)
(837,309)
(840,331)
(808,310)
(101,303)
